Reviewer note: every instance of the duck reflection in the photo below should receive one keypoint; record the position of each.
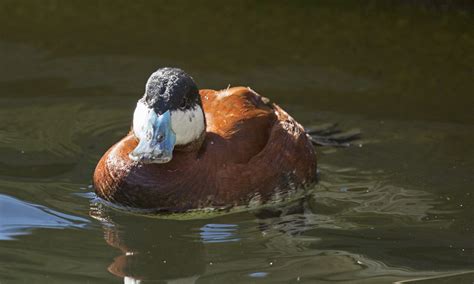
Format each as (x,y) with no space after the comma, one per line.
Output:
(158,249)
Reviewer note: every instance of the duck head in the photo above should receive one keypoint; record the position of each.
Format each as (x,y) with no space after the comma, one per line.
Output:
(168,116)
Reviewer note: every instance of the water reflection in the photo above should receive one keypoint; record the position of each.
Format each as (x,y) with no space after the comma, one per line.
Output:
(336,235)
(219,233)
(372,196)
(151,249)
(19,218)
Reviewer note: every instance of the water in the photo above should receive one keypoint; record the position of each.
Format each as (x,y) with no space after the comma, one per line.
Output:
(398,206)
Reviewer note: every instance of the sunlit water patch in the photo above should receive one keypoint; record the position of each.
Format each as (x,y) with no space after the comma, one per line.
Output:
(215,233)
(19,218)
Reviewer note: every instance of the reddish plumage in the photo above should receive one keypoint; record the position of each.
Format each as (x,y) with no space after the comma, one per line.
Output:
(252,148)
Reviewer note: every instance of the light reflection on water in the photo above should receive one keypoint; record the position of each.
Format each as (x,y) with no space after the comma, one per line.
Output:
(219,233)
(19,218)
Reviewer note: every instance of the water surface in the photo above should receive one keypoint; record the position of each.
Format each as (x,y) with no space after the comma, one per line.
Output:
(396,206)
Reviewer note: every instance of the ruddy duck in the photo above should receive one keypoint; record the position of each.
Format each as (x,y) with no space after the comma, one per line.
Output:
(192,149)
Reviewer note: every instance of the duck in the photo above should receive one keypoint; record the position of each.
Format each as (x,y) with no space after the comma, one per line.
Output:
(191,149)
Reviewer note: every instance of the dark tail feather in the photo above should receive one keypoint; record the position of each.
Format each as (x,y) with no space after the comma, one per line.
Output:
(329,135)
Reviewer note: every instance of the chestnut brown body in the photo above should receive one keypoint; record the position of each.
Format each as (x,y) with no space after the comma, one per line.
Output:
(252,149)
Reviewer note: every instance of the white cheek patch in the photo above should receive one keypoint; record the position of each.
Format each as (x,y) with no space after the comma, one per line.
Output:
(188,125)
(140,120)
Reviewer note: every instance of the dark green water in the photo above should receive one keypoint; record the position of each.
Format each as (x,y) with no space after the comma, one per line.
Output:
(399,207)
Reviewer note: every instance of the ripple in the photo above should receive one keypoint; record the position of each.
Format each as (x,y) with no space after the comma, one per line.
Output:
(219,233)
(19,218)
(54,139)
(351,195)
